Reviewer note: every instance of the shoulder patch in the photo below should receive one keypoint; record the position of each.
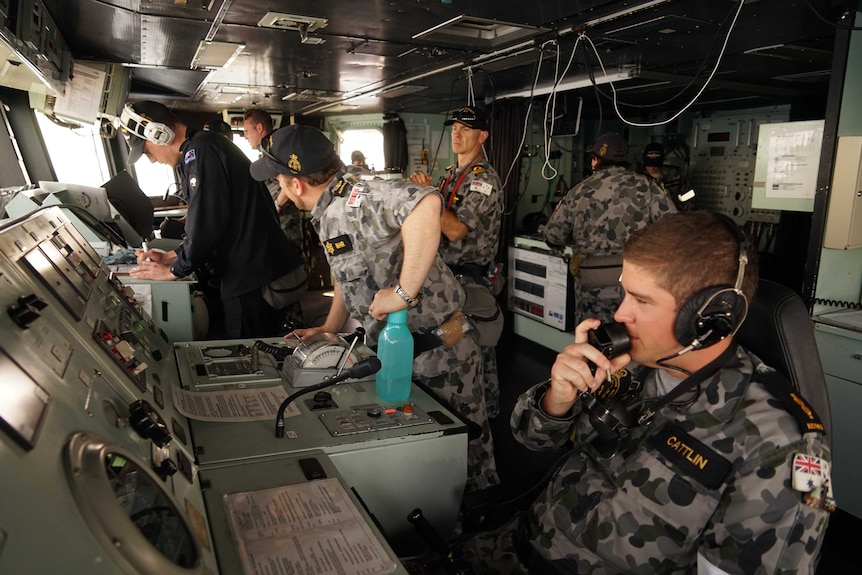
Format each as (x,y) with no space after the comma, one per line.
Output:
(483,188)
(189,157)
(691,456)
(479,170)
(777,385)
(349,183)
(341,187)
(355,197)
(338,245)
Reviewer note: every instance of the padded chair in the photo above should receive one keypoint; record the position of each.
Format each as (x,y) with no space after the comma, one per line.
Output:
(779,330)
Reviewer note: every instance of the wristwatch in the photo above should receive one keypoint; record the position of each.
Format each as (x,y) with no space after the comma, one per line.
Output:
(408,299)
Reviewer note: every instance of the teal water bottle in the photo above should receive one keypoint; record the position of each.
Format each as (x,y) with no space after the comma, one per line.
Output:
(395,352)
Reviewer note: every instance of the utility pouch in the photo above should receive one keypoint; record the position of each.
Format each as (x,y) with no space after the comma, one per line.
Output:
(482,310)
(286,290)
(600,271)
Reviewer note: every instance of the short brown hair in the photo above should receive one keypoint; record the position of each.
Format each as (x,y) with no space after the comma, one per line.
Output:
(321,177)
(259,116)
(691,251)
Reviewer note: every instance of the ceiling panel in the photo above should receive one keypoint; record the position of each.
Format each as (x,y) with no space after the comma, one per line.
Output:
(372,45)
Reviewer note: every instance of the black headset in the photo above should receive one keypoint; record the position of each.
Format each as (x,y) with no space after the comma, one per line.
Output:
(716,312)
(708,317)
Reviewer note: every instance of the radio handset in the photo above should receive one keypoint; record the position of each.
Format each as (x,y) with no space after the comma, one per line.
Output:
(611,420)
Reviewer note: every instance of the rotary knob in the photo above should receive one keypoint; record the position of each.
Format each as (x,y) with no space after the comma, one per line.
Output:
(166,469)
(147,422)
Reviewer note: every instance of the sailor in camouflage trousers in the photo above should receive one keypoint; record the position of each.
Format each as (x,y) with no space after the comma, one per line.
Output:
(597,215)
(380,238)
(722,480)
(473,209)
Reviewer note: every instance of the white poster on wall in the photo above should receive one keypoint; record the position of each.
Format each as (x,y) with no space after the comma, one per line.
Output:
(793,158)
(83,96)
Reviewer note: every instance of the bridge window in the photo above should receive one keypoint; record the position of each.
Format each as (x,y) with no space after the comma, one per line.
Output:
(154,179)
(369,141)
(77,154)
(246,148)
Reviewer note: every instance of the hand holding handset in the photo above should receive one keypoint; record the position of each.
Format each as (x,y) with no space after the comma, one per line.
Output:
(612,339)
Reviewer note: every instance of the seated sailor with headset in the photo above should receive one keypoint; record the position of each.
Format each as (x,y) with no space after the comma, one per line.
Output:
(694,464)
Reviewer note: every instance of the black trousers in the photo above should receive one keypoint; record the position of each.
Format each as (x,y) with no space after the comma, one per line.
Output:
(248,315)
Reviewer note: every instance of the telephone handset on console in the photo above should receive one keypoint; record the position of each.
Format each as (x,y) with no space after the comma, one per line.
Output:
(608,414)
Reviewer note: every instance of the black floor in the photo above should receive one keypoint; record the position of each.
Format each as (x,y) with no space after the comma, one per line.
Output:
(523,363)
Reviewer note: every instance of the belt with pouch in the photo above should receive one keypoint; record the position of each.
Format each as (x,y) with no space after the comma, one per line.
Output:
(599,271)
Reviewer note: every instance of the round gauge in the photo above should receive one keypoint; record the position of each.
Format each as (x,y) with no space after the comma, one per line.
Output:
(328,356)
(321,350)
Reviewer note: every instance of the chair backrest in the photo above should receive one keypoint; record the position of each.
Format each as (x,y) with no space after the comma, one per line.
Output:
(779,330)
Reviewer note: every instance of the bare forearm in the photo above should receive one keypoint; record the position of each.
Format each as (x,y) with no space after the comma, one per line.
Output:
(420,236)
(338,313)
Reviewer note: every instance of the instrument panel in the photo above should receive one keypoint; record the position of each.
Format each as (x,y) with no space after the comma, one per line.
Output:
(102,464)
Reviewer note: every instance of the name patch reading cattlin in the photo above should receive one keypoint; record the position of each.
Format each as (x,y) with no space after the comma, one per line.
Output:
(693,457)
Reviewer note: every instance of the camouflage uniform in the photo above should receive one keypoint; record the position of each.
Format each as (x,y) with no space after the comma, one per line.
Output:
(479,206)
(289,217)
(290,221)
(641,512)
(361,231)
(596,217)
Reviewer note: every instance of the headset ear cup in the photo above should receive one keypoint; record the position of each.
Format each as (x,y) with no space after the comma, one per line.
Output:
(146,128)
(159,133)
(710,316)
(685,327)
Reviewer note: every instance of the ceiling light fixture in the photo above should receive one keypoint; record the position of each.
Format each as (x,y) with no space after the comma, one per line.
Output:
(370,93)
(620,13)
(350,96)
(215,54)
(478,32)
(576,82)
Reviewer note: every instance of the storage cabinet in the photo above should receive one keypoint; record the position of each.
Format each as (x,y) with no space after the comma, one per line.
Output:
(841,355)
(174,306)
(844,218)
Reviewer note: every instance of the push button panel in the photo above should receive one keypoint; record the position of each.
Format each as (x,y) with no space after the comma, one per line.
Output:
(374,417)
